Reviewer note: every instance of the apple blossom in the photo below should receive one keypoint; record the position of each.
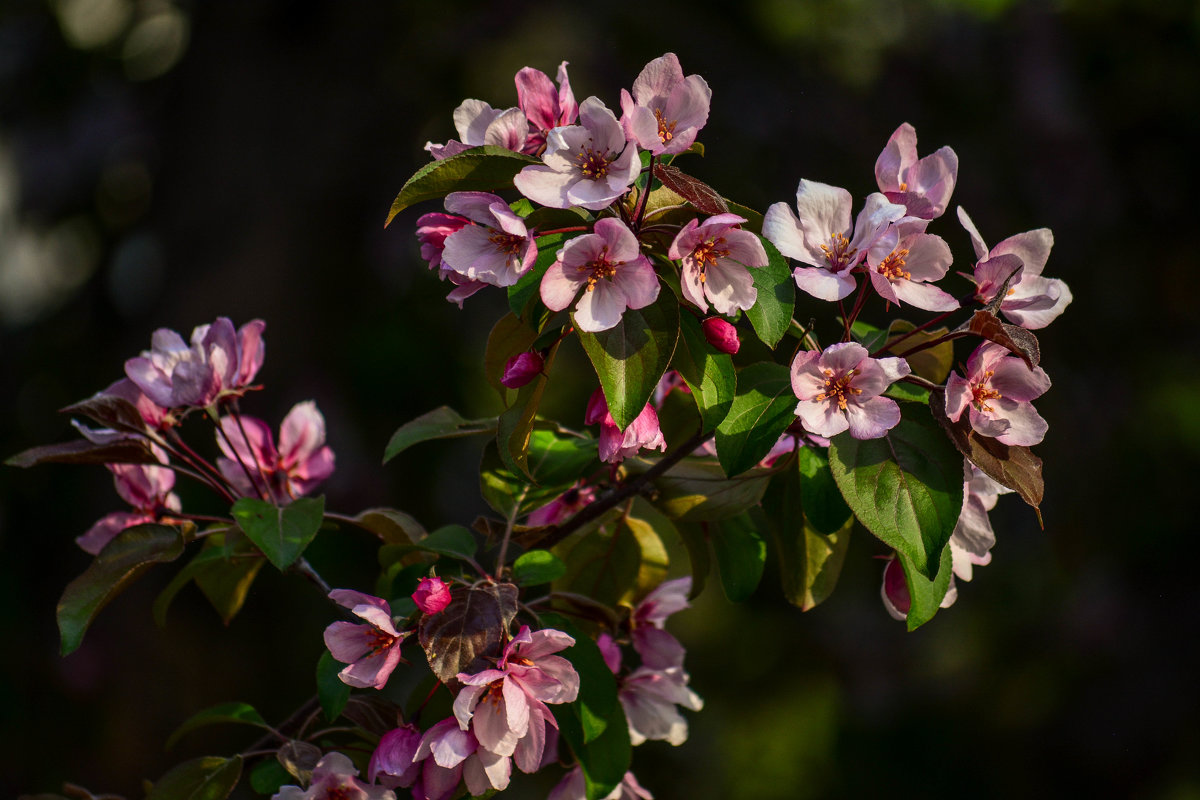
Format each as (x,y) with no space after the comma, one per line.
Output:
(715,256)
(659,649)
(497,250)
(923,185)
(666,110)
(146,488)
(545,107)
(895,595)
(649,698)
(432,595)
(393,763)
(996,395)
(477,124)
(573,787)
(616,445)
(372,650)
(840,390)
(902,262)
(302,461)
(973,538)
(563,506)
(334,778)
(153,415)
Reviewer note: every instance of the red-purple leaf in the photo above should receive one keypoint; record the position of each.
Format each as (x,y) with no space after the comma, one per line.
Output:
(1016,339)
(698,193)
(114,412)
(81,451)
(469,629)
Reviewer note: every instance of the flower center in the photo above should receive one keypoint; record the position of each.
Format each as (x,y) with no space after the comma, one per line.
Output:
(838,253)
(707,253)
(600,268)
(838,388)
(981,392)
(592,164)
(892,267)
(507,242)
(340,793)
(903,186)
(666,130)
(379,642)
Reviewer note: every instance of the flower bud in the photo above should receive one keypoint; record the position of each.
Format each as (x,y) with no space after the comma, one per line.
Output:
(721,335)
(432,595)
(521,369)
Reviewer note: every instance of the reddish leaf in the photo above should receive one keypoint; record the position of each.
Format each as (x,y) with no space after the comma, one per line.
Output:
(469,629)
(81,451)
(698,193)
(114,412)
(1016,339)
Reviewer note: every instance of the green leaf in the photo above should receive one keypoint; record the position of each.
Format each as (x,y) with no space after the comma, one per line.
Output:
(332,692)
(709,374)
(441,423)
(695,539)
(823,503)
(450,540)
(906,487)
(763,408)
(615,564)
(485,169)
(282,534)
(269,777)
(528,285)
(597,685)
(603,759)
(121,562)
(925,595)
(206,778)
(911,393)
(226,584)
(771,314)
(810,560)
(630,357)
(509,337)
(932,364)
(515,426)
(390,525)
(556,461)
(537,566)
(239,713)
(741,554)
(696,490)
(163,602)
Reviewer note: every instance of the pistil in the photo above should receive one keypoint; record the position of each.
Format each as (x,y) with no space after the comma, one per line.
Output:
(838,388)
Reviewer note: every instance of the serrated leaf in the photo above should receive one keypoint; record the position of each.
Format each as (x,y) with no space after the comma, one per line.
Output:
(741,554)
(705,198)
(121,562)
(905,487)
(390,525)
(282,534)
(441,423)
(762,409)
(696,490)
(709,375)
(824,505)
(110,411)
(468,630)
(235,713)
(771,314)
(631,357)
(1014,338)
(537,566)
(207,778)
(486,168)
(81,451)
(299,758)
(332,691)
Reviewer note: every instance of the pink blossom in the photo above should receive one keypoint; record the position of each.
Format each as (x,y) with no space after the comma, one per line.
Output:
(666,110)
(659,649)
(924,185)
(721,335)
(587,165)
(715,256)
(973,538)
(219,361)
(572,787)
(477,124)
(564,506)
(334,778)
(432,231)
(996,395)
(1032,301)
(545,107)
(610,267)
(610,651)
(372,650)
(821,235)
(650,698)
(497,250)
(616,445)
(902,262)
(432,595)
(521,369)
(302,461)
(153,415)
(146,488)
(449,753)
(393,763)
(840,390)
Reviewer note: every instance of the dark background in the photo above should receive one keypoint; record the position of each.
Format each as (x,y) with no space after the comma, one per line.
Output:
(164,163)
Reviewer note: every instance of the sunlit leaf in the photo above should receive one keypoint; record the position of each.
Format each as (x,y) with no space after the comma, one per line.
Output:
(281,533)
(709,375)
(762,409)
(332,691)
(487,168)
(771,314)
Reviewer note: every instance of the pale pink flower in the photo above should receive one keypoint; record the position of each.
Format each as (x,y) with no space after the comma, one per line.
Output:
(840,389)
(659,649)
(477,124)
(923,185)
(302,461)
(573,787)
(821,235)
(715,255)
(563,506)
(973,538)
(545,107)
(904,260)
(393,763)
(1031,301)
(650,698)
(996,395)
(334,778)
(722,335)
(666,110)
(497,250)
(372,650)
(153,415)
(449,753)
(609,266)
(616,445)
(432,595)
(521,369)
(219,362)
(146,488)
(588,165)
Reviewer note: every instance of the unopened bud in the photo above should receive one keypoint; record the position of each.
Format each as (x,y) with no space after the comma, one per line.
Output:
(432,595)
(521,369)
(721,335)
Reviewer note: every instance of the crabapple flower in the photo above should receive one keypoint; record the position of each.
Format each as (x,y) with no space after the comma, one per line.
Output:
(666,110)
(521,369)
(610,651)
(477,124)
(432,595)
(432,232)
(545,107)
(616,445)
(372,650)
(146,488)
(563,506)
(572,787)
(335,778)
(923,186)
(449,753)
(895,595)
(393,763)
(587,165)
(821,235)
(650,698)
(715,256)
(497,250)
(219,361)
(610,267)
(996,395)
(840,390)
(973,538)
(302,461)
(1032,301)
(153,415)
(904,260)
(659,649)
(721,335)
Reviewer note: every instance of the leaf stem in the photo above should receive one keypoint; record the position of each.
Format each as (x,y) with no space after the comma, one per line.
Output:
(641,209)
(508,529)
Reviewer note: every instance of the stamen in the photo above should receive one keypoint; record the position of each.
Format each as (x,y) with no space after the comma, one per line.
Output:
(707,253)
(592,164)
(600,268)
(903,186)
(981,392)
(507,242)
(666,130)
(892,267)
(838,388)
(840,253)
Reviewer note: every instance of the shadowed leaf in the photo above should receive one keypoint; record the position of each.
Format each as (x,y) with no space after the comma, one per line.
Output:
(699,194)
(207,778)
(81,451)
(470,628)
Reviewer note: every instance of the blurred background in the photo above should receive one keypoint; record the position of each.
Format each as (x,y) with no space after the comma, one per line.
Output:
(163,163)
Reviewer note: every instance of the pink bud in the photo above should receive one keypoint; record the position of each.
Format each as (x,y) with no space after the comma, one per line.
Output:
(432,595)
(721,335)
(521,369)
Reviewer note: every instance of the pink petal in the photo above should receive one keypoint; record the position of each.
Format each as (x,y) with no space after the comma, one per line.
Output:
(872,418)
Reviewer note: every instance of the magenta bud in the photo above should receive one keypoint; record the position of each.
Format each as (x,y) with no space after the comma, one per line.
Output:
(721,335)
(432,595)
(521,369)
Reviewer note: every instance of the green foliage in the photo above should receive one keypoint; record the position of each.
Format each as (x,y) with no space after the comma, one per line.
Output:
(616,564)
(236,713)
(450,540)
(696,490)
(741,554)
(281,533)
(441,423)
(537,566)
(771,314)
(824,505)
(206,778)
(597,685)
(763,408)
(556,461)
(709,374)
(605,758)
(925,594)
(332,691)
(268,777)
(479,169)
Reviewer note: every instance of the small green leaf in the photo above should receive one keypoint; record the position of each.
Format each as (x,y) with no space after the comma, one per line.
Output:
(390,525)
(555,462)
(741,554)
(207,778)
(771,314)
(823,503)
(121,562)
(332,692)
(926,595)
(239,713)
(630,357)
(441,423)
(537,566)
(282,534)
(269,777)
(450,540)
(163,602)
(763,408)
(226,584)
(485,168)
(615,564)
(709,374)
